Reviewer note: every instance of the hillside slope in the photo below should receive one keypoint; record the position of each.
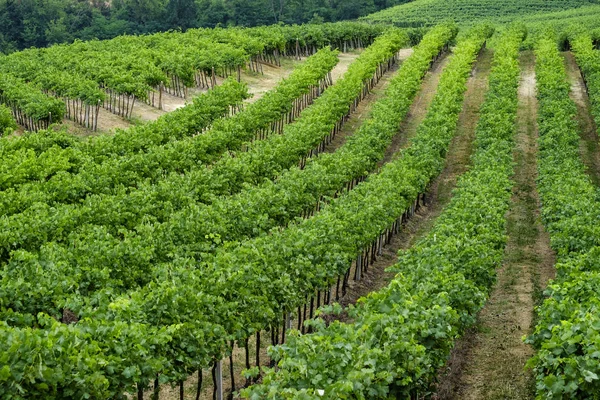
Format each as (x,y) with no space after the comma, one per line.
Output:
(588,16)
(431,12)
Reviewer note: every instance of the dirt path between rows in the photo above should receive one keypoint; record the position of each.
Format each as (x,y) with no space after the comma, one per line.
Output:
(342,66)
(362,112)
(488,362)
(589,146)
(441,188)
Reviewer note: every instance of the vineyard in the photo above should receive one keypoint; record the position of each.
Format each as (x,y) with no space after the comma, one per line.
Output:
(430,12)
(401,207)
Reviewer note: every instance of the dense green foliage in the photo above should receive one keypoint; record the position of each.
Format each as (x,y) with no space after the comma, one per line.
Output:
(38,142)
(25,164)
(117,176)
(46,223)
(567,335)
(586,17)
(298,190)
(134,65)
(145,254)
(116,73)
(402,334)
(28,103)
(431,12)
(200,114)
(134,335)
(177,148)
(36,23)
(7,121)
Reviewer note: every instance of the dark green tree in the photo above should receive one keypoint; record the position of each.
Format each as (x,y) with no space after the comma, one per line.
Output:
(11,24)
(251,12)
(212,13)
(352,9)
(182,14)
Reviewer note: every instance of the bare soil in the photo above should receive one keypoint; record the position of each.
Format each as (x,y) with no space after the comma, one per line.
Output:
(108,122)
(489,361)
(342,66)
(259,84)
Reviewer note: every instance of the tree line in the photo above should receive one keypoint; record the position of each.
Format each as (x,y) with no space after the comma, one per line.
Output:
(39,23)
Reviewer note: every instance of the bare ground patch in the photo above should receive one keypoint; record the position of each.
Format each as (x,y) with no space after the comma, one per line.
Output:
(259,84)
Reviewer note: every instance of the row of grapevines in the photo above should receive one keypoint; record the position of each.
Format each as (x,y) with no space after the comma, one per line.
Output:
(115,72)
(588,60)
(297,190)
(341,35)
(400,336)
(112,251)
(584,16)
(194,230)
(66,140)
(199,115)
(115,371)
(133,65)
(567,334)
(37,141)
(293,40)
(30,107)
(269,114)
(86,175)
(265,277)
(58,83)
(130,65)
(265,159)
(81,96)
(24,164)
